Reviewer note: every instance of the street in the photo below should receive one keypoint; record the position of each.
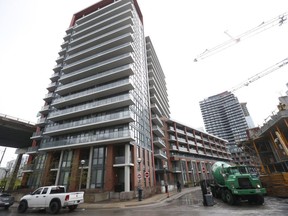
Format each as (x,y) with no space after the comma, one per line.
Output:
(188,204)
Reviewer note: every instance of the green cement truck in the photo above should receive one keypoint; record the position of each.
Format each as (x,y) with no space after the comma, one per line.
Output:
(234,184)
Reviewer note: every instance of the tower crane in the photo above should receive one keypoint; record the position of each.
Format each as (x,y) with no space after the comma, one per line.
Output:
(280,20)
(261,74)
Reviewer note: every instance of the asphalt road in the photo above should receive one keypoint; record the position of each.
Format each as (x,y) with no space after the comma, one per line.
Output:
(189,204)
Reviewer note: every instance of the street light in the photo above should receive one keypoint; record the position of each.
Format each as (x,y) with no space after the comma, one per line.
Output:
(80,181)
(139,180)
(165,180)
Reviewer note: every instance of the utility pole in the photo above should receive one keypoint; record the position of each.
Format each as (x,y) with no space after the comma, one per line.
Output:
(2,156)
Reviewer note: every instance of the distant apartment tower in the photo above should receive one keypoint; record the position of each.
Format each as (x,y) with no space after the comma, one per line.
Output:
(97,116)
(225,117)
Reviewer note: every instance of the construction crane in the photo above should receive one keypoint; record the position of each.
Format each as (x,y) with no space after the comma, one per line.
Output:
(261,74)
(280,20)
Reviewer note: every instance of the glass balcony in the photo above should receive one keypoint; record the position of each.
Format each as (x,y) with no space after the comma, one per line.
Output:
(37,135)
(121,160)
(156,120)
(100,15)
(91,49)
(99,57)
(52,86)
(45,109)
(91,70)
(41,122)
(159,142)
(121,33)
(158,153)
(28,168)
(123,85)
(85,124)
(107,76)
(155,109)
(55,77)
(32,150)
(89,140)
(101,105)
(158,131)
(48,97)
(94,32)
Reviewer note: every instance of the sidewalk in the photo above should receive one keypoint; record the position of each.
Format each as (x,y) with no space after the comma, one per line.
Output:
(158,198)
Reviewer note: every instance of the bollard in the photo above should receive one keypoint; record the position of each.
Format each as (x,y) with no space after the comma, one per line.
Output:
(139,194)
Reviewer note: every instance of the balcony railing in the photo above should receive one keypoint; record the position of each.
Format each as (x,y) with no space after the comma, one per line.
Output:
(28,168)
(89,139)
(92,91)
(90,105)
(84,122)
(32,149)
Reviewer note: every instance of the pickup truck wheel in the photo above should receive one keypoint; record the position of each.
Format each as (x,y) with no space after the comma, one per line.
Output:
(73,207)
(229,197)
(22,206)
(6,207)
(54,207)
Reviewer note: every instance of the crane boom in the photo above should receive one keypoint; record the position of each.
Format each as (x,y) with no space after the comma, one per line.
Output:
(280,20)
(261,74)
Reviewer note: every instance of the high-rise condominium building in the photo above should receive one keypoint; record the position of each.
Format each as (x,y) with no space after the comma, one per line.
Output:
(96,121)
(225,117)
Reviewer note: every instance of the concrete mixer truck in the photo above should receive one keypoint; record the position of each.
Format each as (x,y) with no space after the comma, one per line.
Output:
(234,184)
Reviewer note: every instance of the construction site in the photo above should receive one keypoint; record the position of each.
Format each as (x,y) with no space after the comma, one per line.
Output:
(267,146)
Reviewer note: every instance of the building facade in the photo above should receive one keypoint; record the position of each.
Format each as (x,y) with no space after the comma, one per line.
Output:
(105,125)
(191,153)
(96,120)
(225,117)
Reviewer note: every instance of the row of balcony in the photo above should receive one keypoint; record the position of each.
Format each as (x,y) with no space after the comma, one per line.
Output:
(123,85)
(94,36)
(89,140)
(99,46)
(118,161)
(107,76)
(98,67)
(100,105)
(191,150)
(86,124)
(98,57)
(103,17)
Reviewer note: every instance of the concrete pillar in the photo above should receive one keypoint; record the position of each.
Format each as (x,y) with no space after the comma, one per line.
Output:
(59,168)
(75,171)
(89,168)
(127,168)
(15,171)
(45,176)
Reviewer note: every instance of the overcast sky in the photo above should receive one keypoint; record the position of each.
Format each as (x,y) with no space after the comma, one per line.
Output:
(32,32)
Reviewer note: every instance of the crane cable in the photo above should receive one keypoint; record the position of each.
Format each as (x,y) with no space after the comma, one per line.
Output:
(280,20)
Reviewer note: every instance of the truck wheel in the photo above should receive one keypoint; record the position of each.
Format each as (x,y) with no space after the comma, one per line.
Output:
(259,200)
(22,206)
(223,196)
(213,191)
(229,197)
(54,207)
(73,207)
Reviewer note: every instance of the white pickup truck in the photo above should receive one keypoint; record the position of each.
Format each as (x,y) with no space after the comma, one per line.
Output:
(52,198)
